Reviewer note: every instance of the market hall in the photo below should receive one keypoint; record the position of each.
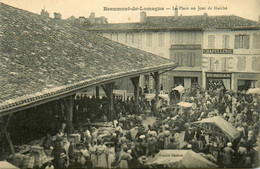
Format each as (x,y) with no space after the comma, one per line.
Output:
(45,62)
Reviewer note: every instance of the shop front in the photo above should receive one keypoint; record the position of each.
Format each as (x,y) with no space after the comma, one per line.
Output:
(218,80)
(187,79)
(245,81)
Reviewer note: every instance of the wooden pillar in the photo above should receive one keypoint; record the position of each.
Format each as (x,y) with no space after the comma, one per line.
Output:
(108,88)
(135,81)
(69,102)
(157,86)
(97,92)
(8,138)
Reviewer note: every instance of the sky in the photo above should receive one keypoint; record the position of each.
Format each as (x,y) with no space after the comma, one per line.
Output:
(249,9)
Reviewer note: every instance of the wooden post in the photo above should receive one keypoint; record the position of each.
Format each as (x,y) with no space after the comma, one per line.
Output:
(135,81)
(108,88)
(8,138)
(69,101)
(97,92)
(157,86)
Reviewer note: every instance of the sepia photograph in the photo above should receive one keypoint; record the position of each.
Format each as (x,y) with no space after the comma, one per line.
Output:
(129,84)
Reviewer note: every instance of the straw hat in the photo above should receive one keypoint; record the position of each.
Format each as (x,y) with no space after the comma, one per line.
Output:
(62,155)
(189,146)
(142,136)
(167,133)
(143,159)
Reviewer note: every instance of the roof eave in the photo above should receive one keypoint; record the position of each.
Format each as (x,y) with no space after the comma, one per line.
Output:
(70,90)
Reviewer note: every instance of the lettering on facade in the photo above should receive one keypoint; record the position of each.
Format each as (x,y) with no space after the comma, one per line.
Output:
(219,75)
(190,47)
(217,51)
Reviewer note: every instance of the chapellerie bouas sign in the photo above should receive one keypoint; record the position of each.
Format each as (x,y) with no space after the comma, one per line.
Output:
(217,51)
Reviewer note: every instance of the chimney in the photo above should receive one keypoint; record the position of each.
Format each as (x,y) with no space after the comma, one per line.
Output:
(205,15)
(45,13)
(92,18)
(81,19)
(176,12)
(143,17)
(103,20)
(57,16)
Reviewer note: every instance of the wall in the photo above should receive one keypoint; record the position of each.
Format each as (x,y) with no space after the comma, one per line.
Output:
(245,61)
(170,38)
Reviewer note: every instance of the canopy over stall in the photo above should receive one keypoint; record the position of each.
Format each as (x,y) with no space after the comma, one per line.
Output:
(181,159)
(6,165)
(254,90)
(185,104)
(151,96)
(180,89)
(225,127)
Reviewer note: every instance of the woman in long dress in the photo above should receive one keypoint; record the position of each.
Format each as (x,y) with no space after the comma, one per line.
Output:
(93,153)
(124,158)
(102,158)
(110,155)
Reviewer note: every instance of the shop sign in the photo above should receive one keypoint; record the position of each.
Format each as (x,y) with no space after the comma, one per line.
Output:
(219,75)
(186,47)
(217,51)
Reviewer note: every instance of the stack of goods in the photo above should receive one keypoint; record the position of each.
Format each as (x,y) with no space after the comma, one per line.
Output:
(36,157)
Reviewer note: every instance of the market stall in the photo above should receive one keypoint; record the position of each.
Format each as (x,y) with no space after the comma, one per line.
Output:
(180,159)
(254,90)
(176,93)
(219,126)
(6,165)
(185,104)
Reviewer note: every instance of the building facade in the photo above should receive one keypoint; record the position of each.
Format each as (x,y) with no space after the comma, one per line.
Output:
(205,47)
(231,58)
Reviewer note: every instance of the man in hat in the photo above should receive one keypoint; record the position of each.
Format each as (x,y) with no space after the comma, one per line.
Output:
(228,155)
(189,135)
(142,162)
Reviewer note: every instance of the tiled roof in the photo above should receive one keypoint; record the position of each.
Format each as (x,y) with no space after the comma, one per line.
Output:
(196,22)
(42,58)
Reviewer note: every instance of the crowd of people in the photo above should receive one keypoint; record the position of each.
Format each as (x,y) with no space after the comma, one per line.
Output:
(124,147)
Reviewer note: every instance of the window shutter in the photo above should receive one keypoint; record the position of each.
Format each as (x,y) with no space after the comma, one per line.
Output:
(223,41)
(224,63)
(227,41)
(188,60)
(247,41)
(193,59)
(211,62)
(236,41)
(180,59)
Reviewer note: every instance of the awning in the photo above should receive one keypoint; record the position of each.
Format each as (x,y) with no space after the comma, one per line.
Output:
(181,159)
(185,104)
(180,89)
(6,165)
(254,90)
(223,125)
(151,96)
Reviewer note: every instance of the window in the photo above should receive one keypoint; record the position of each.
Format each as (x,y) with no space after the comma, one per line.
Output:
(161,39)
(149,39)
(211,41)
(256,41)
(224,63)
(242,41)
(172,37)
(225,41)
(191,59)
(114,36)
(129,38)
(178,58)
(211,63)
